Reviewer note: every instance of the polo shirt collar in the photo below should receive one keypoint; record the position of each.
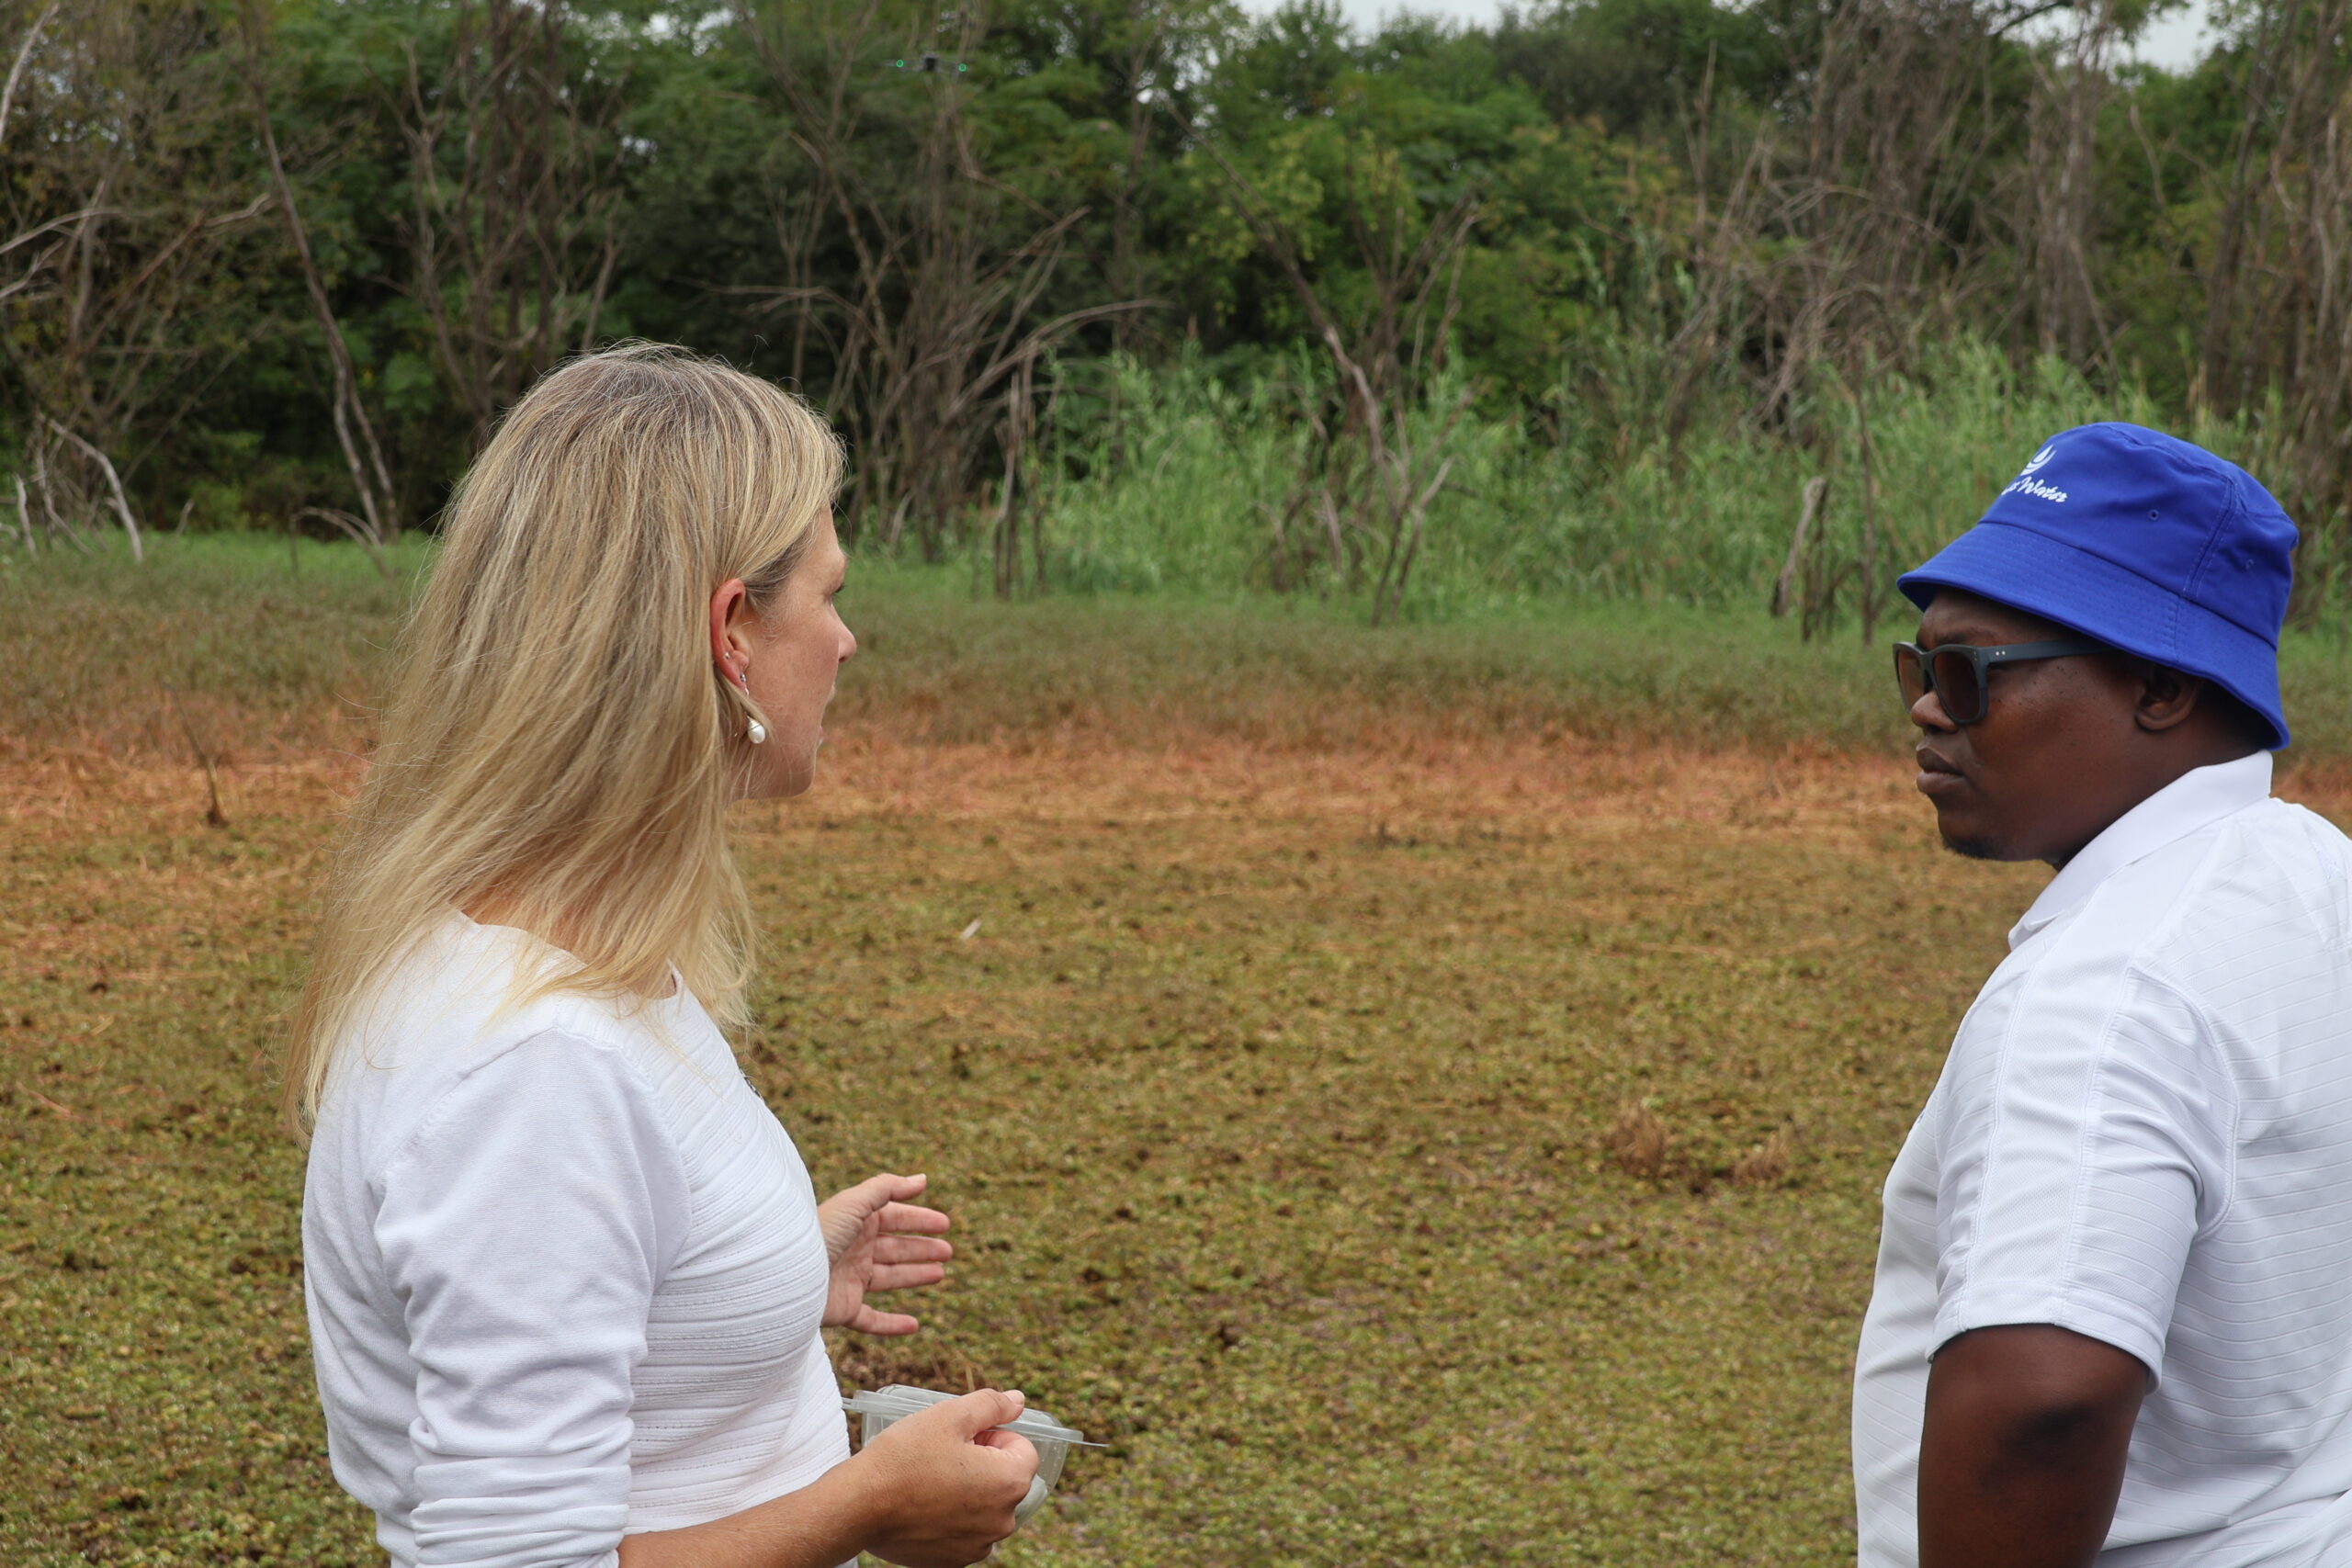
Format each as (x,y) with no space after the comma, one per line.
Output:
(2199,798)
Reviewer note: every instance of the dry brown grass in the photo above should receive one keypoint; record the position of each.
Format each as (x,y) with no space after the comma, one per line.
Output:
(1638,1143)
(1766,1165)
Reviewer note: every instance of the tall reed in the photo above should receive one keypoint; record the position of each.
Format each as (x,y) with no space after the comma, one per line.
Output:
(1180,478)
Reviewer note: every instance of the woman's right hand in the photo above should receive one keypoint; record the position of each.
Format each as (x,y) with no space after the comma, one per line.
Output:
(945,1482)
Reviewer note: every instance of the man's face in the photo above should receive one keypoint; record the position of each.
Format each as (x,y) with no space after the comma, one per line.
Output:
(2044,773)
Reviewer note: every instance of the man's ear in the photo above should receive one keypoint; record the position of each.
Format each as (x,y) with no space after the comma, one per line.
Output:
(2166,696)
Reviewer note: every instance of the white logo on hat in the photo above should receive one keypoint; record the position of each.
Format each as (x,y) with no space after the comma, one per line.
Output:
(2026,484)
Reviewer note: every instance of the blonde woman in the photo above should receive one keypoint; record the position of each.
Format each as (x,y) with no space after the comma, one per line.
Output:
(566,1271)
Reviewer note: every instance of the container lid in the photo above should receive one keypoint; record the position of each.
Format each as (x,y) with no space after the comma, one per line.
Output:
(898,1398)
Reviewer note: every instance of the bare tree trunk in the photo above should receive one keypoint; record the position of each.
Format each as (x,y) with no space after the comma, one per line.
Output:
(1784,587)
(1836,242)
(122,195)
(511,222)
(2215,379)
(1014,439)
(371,481)
(59,527)
(2071,84)
(114,488)
(2278,284)
(1867,597)
(1385,367)
(940,311)
(1148,29)
(17,69)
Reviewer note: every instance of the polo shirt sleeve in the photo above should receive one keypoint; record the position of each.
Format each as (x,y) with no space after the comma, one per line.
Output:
(2086,1143)
(525,1228)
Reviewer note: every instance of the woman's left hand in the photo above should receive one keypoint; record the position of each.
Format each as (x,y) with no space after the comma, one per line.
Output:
(879,1241)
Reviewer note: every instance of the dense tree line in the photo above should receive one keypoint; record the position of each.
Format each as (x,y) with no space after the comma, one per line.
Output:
(281,262)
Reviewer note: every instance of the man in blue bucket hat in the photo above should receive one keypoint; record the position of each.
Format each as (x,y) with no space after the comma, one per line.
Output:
(2112,1317)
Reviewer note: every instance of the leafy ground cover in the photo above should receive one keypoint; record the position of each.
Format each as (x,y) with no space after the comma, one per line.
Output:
(1410,1132)
(1459,1156)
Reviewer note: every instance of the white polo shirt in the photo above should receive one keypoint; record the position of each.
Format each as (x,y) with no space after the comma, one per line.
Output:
(2144,1133)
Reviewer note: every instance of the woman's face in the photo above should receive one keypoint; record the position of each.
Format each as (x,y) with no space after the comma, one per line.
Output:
(787,658)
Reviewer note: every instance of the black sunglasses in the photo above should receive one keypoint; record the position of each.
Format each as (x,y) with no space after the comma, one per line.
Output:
(1959,674)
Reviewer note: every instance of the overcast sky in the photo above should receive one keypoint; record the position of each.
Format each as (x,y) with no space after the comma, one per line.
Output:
(2173,42)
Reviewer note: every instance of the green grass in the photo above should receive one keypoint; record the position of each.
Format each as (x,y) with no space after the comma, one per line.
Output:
(263,656)
(261,645)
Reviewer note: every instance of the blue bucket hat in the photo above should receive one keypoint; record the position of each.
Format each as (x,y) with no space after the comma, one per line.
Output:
(2144,542)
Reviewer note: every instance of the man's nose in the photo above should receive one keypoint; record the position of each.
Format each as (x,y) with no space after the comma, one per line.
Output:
(1927,713)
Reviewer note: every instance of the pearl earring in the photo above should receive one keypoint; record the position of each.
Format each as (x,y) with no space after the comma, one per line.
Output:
(755,732)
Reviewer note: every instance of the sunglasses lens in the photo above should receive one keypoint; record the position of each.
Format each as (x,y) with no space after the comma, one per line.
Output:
(1910,674)
(1956,684)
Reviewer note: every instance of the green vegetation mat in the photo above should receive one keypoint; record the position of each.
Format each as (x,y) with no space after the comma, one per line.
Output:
(1411,1130)
(1274,1107)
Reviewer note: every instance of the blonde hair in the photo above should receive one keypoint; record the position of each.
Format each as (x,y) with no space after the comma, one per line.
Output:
(557,744)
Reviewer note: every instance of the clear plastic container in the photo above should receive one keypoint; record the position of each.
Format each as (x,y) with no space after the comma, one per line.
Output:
(877,1408)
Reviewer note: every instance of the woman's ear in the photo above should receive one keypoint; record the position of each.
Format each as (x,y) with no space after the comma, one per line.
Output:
(731,651)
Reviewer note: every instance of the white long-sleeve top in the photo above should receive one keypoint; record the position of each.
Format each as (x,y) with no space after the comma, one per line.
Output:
(565,1272)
